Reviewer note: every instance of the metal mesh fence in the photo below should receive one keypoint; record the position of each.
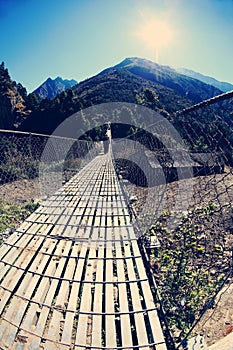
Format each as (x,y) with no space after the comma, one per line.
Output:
(182,201)
(23,166)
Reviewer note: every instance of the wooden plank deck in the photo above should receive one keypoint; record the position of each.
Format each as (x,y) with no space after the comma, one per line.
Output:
(72,276)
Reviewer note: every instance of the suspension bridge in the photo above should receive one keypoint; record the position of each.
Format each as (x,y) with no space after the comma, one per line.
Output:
(74,274)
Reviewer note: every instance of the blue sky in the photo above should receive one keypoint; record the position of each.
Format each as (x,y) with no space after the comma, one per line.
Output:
(79,38)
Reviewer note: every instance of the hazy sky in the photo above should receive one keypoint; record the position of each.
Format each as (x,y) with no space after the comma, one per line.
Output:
(79,38)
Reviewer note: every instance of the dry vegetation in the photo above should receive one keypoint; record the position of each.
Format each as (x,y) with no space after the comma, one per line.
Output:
(195,258)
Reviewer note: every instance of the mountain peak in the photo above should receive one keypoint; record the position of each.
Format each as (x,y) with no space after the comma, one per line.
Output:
(156,72)
(133,61)
(52,87)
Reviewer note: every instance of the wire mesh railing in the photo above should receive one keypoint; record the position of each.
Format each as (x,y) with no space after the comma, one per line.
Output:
(24,164)
(21,154)
(182,198)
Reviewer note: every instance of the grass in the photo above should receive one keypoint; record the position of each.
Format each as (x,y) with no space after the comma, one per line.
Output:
(12,215)
(194,259)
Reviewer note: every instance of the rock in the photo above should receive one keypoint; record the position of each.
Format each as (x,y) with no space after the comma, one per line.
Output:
(228,330)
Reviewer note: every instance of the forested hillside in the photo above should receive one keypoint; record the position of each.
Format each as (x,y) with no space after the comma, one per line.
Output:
(135,81)
(16,104)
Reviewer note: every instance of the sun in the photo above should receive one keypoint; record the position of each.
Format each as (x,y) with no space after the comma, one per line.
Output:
(156,34)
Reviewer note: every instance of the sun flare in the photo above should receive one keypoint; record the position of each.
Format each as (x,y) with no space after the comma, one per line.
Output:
(156,34)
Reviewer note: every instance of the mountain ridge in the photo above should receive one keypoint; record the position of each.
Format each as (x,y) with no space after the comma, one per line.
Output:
(134,80)
(165,75)
(222,85)
(50,88)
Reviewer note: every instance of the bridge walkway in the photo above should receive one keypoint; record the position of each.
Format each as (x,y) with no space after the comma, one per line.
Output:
(72,276)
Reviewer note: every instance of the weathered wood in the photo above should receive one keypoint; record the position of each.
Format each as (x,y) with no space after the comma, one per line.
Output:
(97,326)
(110,331)
(84,329)
(73,299)
(73,283)
(56,322)
(17,307)
(126,331)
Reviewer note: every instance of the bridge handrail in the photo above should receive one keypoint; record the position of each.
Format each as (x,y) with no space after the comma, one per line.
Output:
(27,133)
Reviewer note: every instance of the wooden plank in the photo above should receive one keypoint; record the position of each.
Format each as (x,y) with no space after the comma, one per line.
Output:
(73,301)
(26,289)
(14,274)
(110,328)
(17,238)
(136,300)
(148,298)
(12,240)
(36,317)
(17,307)
(97,328)
(145,293)
(126,336)
(56,322)
(32,316)
(84,328)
